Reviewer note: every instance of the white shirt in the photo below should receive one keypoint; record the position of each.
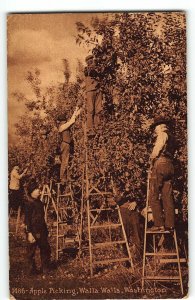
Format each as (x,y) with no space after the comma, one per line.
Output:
(15,180)
(161,140)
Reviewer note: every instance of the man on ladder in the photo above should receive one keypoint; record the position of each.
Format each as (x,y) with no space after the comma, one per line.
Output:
(93,95)
(64,129)
(162,172)
(160,184)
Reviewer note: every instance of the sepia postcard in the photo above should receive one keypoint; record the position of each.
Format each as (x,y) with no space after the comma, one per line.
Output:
(97,155)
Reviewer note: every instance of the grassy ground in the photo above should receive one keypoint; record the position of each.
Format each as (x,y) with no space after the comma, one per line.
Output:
(71,278)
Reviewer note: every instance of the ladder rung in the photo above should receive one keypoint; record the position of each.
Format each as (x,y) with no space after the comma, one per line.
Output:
(161,232)
(61,236)
(62,223)
(161,254)
(100,209)
(65,195)
(172,260)
(100,193)
(60,250)
(107,261)
(149,211)
(64,208)
(68,240)
(107,244)
(105,226)
(162,278)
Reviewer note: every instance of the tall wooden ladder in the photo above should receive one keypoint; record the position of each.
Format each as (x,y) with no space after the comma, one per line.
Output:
(155,256)
(67,209)
(97,205)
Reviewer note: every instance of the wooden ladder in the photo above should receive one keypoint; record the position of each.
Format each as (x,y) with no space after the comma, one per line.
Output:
(92,216)
(46,198)
(154,255)
(65,205)
(92,193)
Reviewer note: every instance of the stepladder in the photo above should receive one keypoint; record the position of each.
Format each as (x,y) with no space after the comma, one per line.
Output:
(161,258)
(67,225)
(108,243)
(48,198)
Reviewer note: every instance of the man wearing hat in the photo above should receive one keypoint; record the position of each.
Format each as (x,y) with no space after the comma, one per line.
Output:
(93,94)
(36,230)
(162,172)
(64,130)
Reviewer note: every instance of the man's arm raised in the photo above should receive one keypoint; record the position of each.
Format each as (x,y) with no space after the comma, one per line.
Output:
(71,121)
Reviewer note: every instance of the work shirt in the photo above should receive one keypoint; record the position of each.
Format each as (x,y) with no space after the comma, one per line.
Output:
(161,140)
(15,180)
(165,144)
(64,127)
(66,135)
(160,143)
(91,84)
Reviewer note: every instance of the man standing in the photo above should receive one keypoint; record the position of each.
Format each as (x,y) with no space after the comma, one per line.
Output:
(15,199)
(93,94)
(162,172)
(64,129)
(36,230)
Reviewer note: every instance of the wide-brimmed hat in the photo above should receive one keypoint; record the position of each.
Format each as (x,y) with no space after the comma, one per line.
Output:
(158,121)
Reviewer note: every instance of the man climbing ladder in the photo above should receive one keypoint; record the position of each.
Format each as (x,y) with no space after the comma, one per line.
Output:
(160,184)
(64,129)
(162,172)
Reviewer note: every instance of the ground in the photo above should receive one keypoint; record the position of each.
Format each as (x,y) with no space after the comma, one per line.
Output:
(71,279)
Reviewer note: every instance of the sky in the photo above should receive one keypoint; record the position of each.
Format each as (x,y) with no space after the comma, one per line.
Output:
(40,41)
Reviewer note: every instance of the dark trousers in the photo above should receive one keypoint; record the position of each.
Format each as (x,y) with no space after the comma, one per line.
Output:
(15,199)
(94,107)
(161,184)
(131,222)
(65,155)
(45,253)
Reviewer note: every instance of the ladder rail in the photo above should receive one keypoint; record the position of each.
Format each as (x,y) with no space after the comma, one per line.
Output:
(46,192)
(125,237)
(178,260)
(145,230)
(57,225)
(81,215)
(90,245)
